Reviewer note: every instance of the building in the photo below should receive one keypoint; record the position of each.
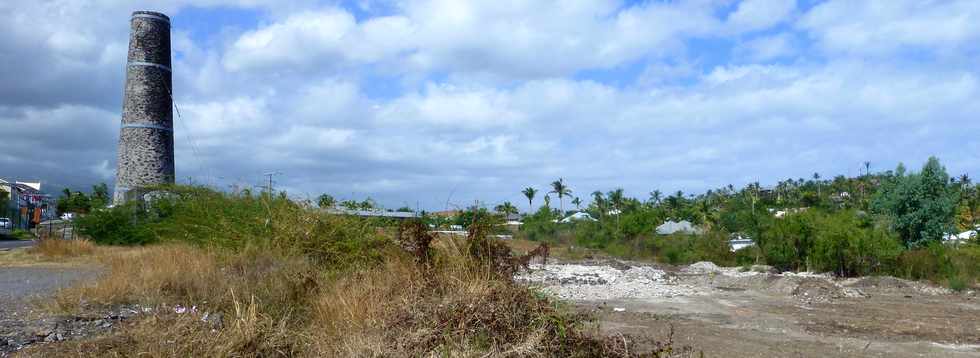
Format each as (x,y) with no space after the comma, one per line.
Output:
(577,217)
(27,206)
(738,241)
(372,213)
(678,227)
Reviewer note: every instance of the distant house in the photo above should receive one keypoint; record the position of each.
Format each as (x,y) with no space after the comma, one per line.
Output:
(371,213)
(27,205)
(513,220)
(739,241)
(779,214)
(446,213)
(579,216)
(674,227)
(961,237)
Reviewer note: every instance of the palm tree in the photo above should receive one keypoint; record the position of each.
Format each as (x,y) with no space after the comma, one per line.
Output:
(559,187)
(547,200)
(674,203)
(600,202)
(816,180)
(506,208)
(616,198)
(577,202)
(655,197)
(529,193)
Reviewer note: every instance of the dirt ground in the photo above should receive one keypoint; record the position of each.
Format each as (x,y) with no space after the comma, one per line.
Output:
(726,312)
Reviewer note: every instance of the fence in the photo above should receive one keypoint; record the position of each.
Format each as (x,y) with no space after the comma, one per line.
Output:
(56,229)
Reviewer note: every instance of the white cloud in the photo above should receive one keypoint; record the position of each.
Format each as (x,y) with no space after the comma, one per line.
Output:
(884,26)
(522,39)
(489,97)
(753,15)
(767,48)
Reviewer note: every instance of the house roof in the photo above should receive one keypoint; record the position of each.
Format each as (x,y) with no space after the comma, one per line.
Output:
(372,213)
(671,227)
(578,216)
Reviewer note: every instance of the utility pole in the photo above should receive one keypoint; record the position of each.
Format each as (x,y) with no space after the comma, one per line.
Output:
(270,175)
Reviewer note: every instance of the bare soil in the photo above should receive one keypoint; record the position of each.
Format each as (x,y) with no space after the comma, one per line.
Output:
(728,313)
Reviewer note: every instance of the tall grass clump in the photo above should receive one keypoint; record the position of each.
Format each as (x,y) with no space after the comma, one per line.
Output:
(56,248)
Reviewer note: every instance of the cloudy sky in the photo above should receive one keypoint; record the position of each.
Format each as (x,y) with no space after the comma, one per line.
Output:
(424,102)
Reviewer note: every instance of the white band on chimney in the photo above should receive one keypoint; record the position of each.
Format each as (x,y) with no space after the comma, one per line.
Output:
(150,64)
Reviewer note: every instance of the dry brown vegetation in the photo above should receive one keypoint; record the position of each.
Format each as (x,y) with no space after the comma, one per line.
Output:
(282,305)
(239,275)
(56,248)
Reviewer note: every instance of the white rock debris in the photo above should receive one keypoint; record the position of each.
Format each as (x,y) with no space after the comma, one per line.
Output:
(596,283)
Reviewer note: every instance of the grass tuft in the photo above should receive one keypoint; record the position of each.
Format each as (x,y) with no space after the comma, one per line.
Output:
(56,248)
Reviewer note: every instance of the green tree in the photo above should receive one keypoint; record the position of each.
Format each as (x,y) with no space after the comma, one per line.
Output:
(100,195)
(326,201)
(529,192)
(350,204)
(655,197)
(921,205)
(617,198)
(506,208)
(600,203)
(4,202)
(577,202)
(558,187)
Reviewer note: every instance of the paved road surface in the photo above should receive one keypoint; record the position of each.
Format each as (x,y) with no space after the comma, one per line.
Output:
(10,244)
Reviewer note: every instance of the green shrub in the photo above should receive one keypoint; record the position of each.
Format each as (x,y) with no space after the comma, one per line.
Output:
(540,226)
(957,267)
(685,249)
(213,219)
(748,256)
(848,246)
(121,225)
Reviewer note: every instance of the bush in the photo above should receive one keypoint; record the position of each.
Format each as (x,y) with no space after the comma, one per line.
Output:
(686,249)
(958,268)
(122,225)
(540,226)
(207,218)
(848,247)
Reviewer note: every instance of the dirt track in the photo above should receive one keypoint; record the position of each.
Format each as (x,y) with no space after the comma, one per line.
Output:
(728,313)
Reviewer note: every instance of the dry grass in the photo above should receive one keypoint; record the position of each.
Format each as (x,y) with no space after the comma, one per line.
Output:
(57,248)
(278,305)
(53,253)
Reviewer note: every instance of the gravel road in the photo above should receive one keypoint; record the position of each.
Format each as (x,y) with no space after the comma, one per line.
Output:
(21,323)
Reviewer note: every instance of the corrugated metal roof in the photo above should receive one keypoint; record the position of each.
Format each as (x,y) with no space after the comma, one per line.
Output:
(372,213)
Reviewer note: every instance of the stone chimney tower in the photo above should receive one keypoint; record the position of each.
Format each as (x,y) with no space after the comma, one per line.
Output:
(146,137)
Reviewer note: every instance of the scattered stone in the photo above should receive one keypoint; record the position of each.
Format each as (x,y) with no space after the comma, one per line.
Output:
(603,282)
(701,267)
(764,269)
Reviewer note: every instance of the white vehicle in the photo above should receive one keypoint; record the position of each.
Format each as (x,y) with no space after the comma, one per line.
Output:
(6,224)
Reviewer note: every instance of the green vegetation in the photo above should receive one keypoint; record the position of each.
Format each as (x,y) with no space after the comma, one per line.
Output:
(877,223)
(208,218)
(4,201)
(79,202)
(921,205)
